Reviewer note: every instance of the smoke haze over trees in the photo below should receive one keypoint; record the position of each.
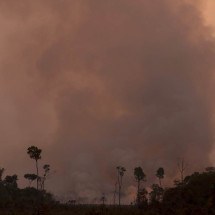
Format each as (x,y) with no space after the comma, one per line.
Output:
(106,83)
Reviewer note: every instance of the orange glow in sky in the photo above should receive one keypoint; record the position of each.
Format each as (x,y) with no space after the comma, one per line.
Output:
(210,13)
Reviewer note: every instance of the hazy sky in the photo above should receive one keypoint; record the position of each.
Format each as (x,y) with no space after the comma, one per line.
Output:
(209,12)
(97,84)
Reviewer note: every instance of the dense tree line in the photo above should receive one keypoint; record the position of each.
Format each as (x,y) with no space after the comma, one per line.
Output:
(12,198)
(194,194)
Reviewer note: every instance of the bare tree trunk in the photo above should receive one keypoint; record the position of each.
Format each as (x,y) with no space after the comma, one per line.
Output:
(114,195)
(160,182)
(181,168)
(119,194)
(119,183)
(138,192)
(43,184)
(37,173)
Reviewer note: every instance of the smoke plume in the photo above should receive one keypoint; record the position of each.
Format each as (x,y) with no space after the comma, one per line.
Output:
(97,84)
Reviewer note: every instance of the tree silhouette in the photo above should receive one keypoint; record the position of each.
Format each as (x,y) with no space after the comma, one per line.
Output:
(210,169)
(120,174)
(11,180)
(35,153)
(30,178)
(139,176)
(114,193)
(103,199)
(1,173)
(160,175)
(156,194)
(46,168)
(182,167)
(143,200)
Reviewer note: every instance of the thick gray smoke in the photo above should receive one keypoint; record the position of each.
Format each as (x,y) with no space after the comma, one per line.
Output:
(97,84)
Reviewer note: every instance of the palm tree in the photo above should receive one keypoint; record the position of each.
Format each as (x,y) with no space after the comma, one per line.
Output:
(120,174)
(160,174)
(139,176)
(35,153)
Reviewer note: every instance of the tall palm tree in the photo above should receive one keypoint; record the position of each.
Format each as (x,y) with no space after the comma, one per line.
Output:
(139,176)
(120,174)
(160,174)
(35,153)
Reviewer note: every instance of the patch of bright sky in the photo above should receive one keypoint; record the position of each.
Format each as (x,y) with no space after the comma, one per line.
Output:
(209,13)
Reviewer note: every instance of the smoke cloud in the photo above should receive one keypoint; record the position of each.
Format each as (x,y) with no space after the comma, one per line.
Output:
(97,84)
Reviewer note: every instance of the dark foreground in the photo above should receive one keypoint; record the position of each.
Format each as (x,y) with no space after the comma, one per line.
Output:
(195,196)
(99,210)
